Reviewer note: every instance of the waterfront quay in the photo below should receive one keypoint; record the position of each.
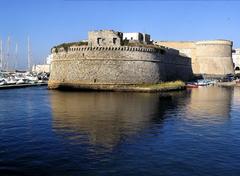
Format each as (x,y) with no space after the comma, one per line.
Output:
(14,86)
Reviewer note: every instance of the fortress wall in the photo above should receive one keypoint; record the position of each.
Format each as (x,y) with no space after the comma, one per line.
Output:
(187,48)
(184,47)
(215,57)
(177,67)
(115,65)
(208,57)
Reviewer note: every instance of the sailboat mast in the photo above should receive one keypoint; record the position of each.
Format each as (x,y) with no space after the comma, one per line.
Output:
(29,55)
(16,56)
(1,54)
(8,53)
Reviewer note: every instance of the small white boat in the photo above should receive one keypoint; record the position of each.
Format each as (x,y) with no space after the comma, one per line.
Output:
(10,81)
(20,81)
(32,78)
(2,82)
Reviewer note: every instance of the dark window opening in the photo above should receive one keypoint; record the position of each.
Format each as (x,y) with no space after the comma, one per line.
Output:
(237,68)
(98,40)
(162,51)
(131,38)
(140,37)
(114,40)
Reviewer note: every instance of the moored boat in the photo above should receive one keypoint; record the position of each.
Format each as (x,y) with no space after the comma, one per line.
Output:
(191,85)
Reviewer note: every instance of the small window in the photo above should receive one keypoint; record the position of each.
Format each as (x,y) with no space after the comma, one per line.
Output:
(98,40)
(114,40)
(131,38)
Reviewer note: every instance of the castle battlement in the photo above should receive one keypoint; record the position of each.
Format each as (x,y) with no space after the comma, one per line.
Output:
(106,48)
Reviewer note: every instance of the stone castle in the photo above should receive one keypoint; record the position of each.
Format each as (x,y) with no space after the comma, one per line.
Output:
(110,59)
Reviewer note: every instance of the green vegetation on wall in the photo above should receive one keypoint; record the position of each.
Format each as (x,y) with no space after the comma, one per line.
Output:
(67,45)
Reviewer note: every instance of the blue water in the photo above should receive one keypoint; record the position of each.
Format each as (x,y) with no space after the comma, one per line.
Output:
(193,132)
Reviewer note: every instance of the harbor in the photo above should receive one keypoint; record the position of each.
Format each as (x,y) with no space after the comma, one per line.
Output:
(119,88)
(10,80)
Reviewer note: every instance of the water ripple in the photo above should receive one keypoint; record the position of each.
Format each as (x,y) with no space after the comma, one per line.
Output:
(194,132)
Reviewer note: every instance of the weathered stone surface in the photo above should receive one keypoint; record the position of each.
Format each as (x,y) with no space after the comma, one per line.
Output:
(215,57)
(104,38)
(212,57)
(116,65)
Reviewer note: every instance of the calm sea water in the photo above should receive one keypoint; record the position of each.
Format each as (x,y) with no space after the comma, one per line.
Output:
(194,132)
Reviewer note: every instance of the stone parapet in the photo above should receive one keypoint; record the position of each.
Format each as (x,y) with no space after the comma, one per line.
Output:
(214,42)
(105,48)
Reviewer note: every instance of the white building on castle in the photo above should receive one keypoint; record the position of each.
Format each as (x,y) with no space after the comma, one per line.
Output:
(236,58)
(137,37)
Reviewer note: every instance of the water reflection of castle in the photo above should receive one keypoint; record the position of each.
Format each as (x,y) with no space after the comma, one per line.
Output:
(106,118)
(208,102)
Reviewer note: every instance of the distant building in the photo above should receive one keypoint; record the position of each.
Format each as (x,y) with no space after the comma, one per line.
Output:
(49,59)
(236,58)
(44,67)
(41,68)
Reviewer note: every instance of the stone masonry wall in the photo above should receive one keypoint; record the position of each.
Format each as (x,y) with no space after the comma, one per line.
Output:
(116,65)
(104,38)
(210,57)
(215,57)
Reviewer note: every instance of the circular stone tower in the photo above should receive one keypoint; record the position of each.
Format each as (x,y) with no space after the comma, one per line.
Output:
(214,57)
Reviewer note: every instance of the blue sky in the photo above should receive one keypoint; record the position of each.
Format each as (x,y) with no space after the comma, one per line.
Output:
(50,22)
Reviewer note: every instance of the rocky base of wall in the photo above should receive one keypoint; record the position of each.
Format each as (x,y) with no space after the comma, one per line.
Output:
(115,87)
